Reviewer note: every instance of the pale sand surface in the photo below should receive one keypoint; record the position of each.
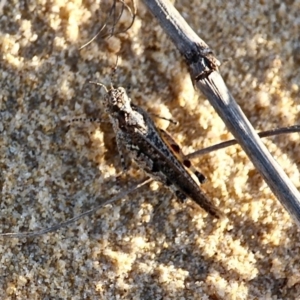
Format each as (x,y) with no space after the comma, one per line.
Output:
(149,245)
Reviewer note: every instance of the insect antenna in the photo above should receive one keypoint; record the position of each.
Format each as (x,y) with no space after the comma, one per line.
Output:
(113,73)
(100,84)
(112,77)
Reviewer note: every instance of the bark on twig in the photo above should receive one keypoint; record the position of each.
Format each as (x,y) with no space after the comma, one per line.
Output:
(204,72)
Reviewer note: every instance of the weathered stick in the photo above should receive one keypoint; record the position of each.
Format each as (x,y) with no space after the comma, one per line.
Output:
(120,195)
(268,133)
(204,72)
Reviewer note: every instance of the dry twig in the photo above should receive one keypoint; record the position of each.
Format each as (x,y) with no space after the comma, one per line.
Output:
(204,72)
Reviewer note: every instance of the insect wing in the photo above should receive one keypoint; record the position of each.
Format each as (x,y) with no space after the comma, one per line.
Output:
(166,167)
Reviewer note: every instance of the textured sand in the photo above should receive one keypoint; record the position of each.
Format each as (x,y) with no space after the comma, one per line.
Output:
(148,245)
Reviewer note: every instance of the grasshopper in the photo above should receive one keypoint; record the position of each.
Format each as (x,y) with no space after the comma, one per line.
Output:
(152,149)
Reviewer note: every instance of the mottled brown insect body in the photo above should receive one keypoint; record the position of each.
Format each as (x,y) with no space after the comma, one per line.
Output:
(152,149)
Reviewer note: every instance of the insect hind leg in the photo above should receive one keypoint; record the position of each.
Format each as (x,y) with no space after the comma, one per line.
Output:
(123,153)
(180,156)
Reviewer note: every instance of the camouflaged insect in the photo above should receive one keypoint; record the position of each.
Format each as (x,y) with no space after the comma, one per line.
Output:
(152,149)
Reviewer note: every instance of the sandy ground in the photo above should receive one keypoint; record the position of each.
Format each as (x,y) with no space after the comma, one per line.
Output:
(148,245)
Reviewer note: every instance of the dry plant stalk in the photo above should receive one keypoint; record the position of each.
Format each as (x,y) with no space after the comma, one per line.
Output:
(203,66)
